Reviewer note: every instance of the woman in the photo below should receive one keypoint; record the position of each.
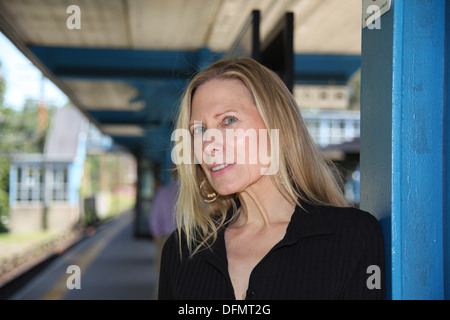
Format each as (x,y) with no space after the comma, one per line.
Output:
(249,229)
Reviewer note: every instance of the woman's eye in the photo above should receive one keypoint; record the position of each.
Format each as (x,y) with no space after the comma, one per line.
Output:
(198,130)
(229,120)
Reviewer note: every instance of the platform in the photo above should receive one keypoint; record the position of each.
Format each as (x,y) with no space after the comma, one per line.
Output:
(113,265)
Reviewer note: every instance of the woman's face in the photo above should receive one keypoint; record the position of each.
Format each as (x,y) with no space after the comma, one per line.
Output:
(228,134)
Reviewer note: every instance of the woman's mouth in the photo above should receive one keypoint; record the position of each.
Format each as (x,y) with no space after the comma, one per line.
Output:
(220,167)
(217,170)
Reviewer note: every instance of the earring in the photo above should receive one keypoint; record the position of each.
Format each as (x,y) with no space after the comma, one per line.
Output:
(211,197)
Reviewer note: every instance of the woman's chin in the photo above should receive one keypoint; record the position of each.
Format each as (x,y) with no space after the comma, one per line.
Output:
(226,190)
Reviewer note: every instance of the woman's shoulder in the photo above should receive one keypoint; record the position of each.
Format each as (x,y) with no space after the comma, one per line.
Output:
(348,219)
(346,229)
(349,214)
(176,247)
(173,242)
(171,248)
(343,215)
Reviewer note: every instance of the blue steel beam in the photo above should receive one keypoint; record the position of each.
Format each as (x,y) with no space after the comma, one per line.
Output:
(402,143)
(325,68)
(121,64)
(122,117)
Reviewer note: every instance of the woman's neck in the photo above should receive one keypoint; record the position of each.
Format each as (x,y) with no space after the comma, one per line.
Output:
(263,204)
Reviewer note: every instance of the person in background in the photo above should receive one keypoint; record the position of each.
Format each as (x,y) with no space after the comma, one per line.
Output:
(162,214)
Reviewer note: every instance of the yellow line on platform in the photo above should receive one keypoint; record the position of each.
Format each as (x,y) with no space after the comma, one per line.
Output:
(59,290)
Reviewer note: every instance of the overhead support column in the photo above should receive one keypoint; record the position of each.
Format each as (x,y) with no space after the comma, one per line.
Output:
(402,144)
(447,156)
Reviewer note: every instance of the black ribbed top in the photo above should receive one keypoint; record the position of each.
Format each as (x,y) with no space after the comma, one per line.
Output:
(327,253)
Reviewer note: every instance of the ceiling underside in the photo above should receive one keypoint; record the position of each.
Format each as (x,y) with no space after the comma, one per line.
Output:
(321,26)
(128,64)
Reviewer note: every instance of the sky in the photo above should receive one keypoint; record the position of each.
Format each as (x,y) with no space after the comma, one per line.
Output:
(23,79)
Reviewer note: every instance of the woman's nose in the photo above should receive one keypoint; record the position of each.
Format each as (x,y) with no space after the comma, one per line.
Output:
(213,142)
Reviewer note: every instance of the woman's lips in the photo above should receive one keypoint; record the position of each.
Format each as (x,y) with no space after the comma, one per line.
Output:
(220,169)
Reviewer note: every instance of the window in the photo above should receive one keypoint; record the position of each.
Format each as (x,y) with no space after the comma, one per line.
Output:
(29,184)
(59,184)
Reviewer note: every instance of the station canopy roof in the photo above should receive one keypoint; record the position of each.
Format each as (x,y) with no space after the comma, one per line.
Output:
(127,66)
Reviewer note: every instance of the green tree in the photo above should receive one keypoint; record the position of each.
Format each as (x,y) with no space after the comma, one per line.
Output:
(18,134)
(4,162)
(4,195)
(2,87)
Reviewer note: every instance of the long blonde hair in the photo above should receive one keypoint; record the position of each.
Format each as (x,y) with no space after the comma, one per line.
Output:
(304,173)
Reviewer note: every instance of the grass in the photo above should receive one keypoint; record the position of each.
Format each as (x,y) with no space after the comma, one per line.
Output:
(16,244)
(13,244)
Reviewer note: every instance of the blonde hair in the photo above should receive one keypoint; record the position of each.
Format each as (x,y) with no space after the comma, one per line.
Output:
(304,173)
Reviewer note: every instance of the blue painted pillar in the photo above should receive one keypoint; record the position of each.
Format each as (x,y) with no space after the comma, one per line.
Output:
(402,144)
(447,156)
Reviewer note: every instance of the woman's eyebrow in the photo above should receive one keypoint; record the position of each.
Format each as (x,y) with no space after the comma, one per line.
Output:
(224,112)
